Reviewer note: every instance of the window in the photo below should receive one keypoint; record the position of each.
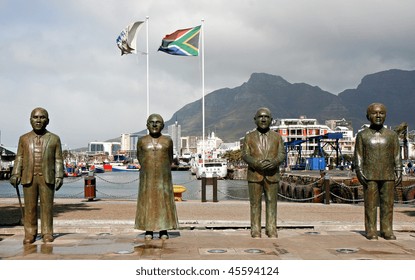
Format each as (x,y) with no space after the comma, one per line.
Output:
(96,148)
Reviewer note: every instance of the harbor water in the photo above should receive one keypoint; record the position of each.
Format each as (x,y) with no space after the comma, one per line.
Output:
(124,185)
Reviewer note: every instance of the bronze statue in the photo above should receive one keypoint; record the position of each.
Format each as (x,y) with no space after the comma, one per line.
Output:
(39,168)
(156,209)
(263,151)
(378,164)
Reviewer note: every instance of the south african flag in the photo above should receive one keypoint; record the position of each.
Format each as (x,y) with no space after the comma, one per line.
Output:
(182,42)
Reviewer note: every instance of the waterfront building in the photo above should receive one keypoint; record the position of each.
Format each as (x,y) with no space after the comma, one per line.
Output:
(345,127)
(332,124)
(126,142)
(301,129)
(129,144)
(189,145)
(210,146)
(226,147)
(107,148)
(347,142)
(305,134)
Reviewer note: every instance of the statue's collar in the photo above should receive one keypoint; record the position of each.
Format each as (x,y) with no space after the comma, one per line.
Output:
(375,129)
(264,132)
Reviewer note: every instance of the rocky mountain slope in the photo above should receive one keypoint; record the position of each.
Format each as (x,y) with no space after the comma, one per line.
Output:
(229,112)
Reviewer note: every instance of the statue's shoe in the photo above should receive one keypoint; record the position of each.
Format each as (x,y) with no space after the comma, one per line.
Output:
(372,236)
(388,236)
(29,239)
(48,238)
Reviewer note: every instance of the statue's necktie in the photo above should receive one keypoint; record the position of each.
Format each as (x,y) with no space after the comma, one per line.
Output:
(264,141)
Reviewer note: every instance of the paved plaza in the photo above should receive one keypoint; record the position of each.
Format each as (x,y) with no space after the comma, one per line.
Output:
(104,229)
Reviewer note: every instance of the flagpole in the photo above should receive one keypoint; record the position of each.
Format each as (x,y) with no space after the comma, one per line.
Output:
(148,84)
(202,32)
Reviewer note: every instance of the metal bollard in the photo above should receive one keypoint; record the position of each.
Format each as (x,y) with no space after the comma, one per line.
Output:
(327,188)
(210,181)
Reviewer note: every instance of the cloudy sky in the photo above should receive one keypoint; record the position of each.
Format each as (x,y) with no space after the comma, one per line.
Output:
(62,55)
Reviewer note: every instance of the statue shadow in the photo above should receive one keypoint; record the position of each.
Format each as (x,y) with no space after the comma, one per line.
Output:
(59,209)
(361,232)
(410,213)
(10,216)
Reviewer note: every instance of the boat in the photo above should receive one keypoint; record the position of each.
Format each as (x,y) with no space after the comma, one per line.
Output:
(71,171)
(84,170)
(193,166)
(210,168)
(182,166)
(97,168)
(126,168)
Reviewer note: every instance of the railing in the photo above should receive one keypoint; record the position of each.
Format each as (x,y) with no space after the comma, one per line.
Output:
(323,190)
(328,190)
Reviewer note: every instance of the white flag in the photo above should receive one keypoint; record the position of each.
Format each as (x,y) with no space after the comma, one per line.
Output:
(126,41)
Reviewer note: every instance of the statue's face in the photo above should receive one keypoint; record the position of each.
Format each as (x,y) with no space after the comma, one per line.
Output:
(263,119)
(155,124)
(39,120)
(377,115)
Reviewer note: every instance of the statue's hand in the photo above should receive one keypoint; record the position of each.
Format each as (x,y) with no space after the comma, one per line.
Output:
(269,164)
(58,183)
(15,181)
(258,165)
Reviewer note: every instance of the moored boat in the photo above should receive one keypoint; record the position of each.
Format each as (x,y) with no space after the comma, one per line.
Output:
(210,168)
(71,171)
(97,168)
(126,168)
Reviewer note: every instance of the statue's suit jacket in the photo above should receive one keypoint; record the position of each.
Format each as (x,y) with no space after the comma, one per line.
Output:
(52,166)
(252,151)
(377,154)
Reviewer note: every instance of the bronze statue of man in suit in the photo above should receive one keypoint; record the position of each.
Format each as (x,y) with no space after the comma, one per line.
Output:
(263,151)
(378,164)
(39,168)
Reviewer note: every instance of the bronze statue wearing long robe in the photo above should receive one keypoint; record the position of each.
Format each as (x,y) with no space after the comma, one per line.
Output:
(156,209)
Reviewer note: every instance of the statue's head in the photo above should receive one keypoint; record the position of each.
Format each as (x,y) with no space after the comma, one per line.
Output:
(376,114)
(39,119)
(263,119)
(155,124)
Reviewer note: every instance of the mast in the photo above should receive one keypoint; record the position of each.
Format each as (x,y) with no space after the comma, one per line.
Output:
(202,33)
(148,84)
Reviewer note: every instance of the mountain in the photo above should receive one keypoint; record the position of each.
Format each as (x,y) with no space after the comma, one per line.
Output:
(229,112)
(394,88)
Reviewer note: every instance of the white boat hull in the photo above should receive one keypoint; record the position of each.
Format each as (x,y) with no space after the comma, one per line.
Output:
(124,169)
(210,169)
